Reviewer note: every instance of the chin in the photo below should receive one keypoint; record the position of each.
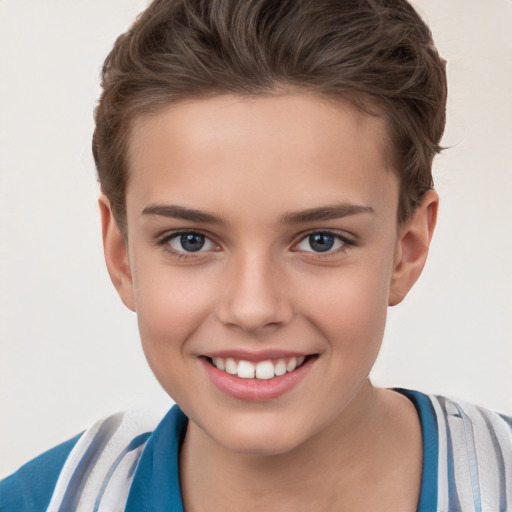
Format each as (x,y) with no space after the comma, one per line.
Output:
(258,436)
(260,446)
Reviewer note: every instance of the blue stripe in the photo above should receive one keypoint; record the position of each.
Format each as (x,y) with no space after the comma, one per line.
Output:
(135,443)
(499,456)
(93,452)
(472,457)
(506,419)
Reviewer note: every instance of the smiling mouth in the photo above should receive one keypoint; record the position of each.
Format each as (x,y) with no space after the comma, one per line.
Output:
(262,370)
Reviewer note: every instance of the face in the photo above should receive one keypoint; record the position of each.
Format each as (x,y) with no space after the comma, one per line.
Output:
(262,248)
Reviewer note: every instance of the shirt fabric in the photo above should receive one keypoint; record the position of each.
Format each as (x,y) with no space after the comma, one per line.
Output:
(122,463)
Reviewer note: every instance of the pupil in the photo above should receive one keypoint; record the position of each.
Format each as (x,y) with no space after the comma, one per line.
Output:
(192,242)
(321,242)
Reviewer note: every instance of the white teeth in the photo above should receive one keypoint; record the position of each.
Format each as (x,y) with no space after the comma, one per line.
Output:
(264,370)
(246,370)
(280,368)
(231,366)
(291,364)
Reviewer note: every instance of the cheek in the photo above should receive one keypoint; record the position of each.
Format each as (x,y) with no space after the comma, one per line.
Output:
(170,306)
(350,309)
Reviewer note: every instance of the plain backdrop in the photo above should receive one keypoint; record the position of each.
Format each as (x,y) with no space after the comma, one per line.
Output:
(69,350)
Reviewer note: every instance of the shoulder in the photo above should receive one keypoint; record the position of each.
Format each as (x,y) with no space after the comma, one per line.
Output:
(105,453)
(475,456)
(474,430)
(31,487)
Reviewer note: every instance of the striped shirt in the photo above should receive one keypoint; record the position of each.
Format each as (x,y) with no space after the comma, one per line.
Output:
(126,463)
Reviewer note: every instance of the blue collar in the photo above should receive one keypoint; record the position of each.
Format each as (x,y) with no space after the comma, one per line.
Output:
(156,484)
(428,493)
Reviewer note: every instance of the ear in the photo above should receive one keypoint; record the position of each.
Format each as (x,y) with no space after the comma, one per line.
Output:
(116,254)
(412,248)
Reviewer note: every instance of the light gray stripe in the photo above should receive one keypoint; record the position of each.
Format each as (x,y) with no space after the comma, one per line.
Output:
(453,496)
(472,457)
(77,481)
(499,458)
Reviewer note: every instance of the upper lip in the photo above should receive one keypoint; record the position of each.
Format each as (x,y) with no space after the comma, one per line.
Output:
(263,355)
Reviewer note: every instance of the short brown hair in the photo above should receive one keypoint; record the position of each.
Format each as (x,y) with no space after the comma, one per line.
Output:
(380,50)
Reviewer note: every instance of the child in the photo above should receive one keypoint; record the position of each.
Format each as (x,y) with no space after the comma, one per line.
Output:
(265,170)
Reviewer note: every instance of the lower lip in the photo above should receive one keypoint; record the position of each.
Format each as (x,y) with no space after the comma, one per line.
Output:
(256,389)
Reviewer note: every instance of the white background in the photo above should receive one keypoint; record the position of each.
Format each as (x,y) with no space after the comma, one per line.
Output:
(69,350)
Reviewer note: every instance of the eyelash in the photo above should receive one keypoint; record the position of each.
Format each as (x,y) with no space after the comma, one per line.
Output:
(165,240)
(346,243)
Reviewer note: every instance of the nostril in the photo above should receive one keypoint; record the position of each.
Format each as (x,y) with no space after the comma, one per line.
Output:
(253,298)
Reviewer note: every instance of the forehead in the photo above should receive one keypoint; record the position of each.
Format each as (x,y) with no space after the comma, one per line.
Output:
(290,151)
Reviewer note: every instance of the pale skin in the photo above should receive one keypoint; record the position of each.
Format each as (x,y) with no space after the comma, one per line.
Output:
(255,178)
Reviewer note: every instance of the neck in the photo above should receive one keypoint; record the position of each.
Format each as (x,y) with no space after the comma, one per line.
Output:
(330,468)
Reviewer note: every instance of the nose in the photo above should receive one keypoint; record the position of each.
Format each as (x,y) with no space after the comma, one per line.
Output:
(254,297)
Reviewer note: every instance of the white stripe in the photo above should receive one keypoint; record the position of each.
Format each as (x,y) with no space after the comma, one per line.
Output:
(116,492)
(489,477)
(69,467)
(478,457)
(503,432)
(133,424)
(465,454)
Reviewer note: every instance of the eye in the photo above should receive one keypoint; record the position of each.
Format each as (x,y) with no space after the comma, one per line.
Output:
(187,242)
(322,241)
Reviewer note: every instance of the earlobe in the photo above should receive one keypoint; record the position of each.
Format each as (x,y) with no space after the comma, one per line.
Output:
(412,248)
(116,254)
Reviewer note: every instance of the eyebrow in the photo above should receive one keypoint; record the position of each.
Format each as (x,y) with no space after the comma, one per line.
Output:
(311,215)
(325,213)
(183,213)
